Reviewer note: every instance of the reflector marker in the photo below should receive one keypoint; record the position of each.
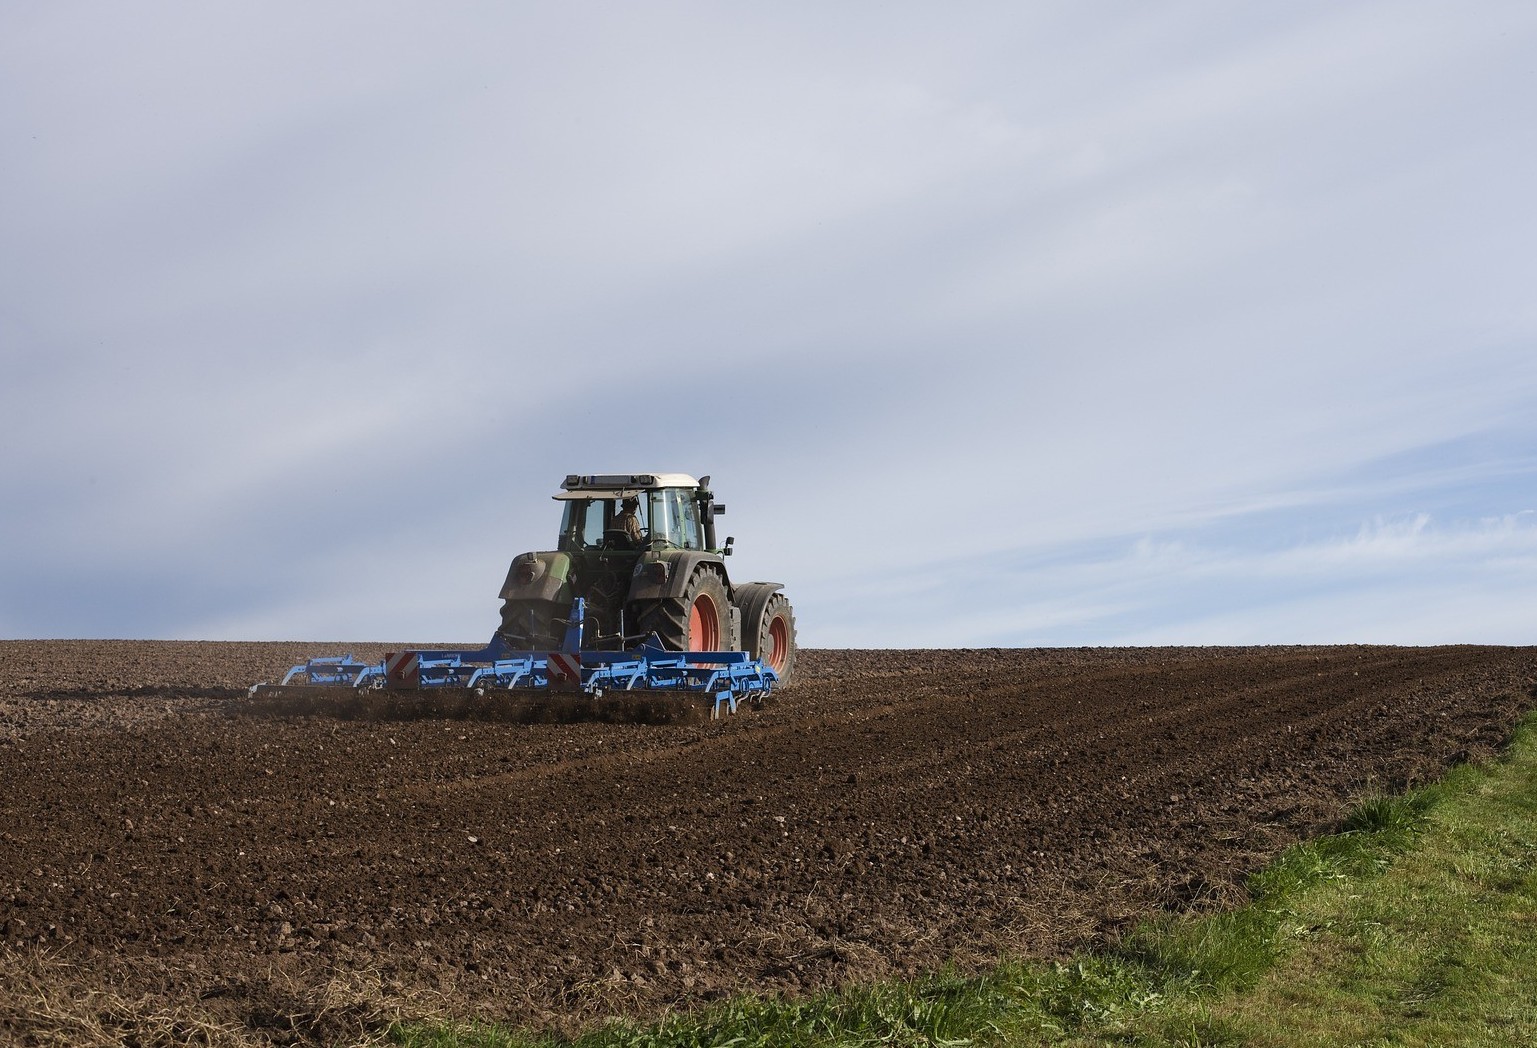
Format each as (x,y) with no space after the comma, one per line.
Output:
(402,669)
(565,668)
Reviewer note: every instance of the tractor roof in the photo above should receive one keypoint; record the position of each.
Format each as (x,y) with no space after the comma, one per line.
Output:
(615,485)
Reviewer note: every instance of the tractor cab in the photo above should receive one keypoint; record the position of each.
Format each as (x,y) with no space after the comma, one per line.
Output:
(674,511)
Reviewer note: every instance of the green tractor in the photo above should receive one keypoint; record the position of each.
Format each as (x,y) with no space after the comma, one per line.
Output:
(641,551)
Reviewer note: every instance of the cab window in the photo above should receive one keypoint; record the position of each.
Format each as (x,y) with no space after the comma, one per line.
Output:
(689,512)
(664,519)
(675,518)
(583,525)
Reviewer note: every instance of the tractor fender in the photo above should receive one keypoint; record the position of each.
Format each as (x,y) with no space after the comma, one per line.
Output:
(752,598)
(538,576)
(680,567)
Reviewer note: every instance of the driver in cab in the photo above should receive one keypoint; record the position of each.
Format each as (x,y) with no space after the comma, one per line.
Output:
(628,520)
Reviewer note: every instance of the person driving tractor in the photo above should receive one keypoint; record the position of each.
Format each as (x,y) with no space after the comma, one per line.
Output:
(628,521)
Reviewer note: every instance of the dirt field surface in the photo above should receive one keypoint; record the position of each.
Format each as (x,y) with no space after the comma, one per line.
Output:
(167,856)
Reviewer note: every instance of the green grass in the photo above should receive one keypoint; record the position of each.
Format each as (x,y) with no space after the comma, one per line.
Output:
(1416,925)
(1439,949)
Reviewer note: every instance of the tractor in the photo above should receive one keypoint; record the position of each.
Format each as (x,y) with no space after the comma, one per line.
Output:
(640,551)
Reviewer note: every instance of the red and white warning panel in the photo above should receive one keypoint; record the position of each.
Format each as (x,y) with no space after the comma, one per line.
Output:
(403,669)
(565,671)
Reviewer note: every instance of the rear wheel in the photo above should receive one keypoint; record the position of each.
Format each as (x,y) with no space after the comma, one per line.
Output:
(697,621)
(529,625)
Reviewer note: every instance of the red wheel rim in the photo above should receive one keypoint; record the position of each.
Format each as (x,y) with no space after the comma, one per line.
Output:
(779,643)
(703,625)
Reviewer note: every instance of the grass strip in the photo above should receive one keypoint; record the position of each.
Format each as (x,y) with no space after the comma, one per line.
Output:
(1415,925)
(1439,949)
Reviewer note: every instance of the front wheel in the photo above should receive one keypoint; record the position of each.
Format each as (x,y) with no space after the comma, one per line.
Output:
(771,640)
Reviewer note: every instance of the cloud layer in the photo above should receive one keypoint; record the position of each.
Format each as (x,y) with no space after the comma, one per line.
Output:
(1055,325)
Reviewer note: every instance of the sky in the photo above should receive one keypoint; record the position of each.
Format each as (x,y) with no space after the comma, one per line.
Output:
(995,323)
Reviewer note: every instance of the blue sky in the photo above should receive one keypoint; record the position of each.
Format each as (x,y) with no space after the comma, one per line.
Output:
(996,324)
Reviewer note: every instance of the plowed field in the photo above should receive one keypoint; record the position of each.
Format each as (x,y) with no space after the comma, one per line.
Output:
(160,844)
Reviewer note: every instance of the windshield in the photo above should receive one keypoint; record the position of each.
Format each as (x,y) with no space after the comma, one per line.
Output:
(668,516)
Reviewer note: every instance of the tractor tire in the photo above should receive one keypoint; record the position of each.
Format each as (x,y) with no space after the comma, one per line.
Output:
(698,621)
(529,625)
(772,642)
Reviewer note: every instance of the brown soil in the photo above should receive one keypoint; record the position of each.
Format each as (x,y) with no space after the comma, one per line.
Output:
(893,812)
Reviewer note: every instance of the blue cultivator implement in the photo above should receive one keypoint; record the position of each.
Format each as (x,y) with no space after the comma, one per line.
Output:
(648,684)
